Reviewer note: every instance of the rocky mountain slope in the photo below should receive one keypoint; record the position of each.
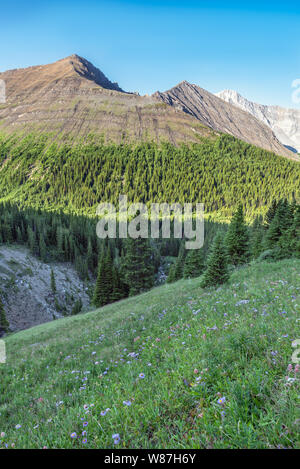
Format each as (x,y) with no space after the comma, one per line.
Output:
(285,123)
(71,99)
(26,288)
(221,116)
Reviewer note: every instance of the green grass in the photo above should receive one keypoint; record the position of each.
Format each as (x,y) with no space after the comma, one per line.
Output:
(194,347)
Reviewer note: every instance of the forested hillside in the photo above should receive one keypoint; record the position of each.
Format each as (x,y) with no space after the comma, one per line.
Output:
(219,173)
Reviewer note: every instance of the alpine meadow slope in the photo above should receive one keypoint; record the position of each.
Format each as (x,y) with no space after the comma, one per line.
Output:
(176,367)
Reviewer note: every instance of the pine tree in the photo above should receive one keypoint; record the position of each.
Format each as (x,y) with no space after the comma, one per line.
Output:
(257,235)
(138,266)
(237,239)
(119,289)
(103,293)
(217,264)
(77,307)
(4,324)
(179,263)
(43,248)
(171,275)
(271,213)
(53,282)
(99,297)
(194,263)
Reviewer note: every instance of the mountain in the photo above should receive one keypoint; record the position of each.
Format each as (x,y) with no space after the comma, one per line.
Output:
(285,123)
(221,116)
(71,99)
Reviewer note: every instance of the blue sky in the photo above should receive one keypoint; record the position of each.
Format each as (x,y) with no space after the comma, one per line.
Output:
(250,46)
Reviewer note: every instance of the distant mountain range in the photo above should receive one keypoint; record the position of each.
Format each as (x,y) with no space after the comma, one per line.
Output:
(71,100)
(221,116)
(285,123)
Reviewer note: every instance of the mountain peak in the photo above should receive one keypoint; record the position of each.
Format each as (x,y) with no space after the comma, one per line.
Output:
(87,70)
(222,116)
(69,67)
(285,123)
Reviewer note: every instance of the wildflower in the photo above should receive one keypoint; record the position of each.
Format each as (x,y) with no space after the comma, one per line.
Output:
(84,441)
(2,434)
(128,403)
(104,412)
(83,433)
(73,435)
(116,438)
(141,376)
(196,371)
(222,400)
(85,424)
(290,367)
(18,426)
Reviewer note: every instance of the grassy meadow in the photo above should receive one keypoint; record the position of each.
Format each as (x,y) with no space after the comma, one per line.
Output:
(175,367)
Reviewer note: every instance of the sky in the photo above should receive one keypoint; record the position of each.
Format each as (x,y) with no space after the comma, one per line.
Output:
(251,46)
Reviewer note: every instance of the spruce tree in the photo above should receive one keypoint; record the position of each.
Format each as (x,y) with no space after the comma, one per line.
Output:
(138,266)
(103,293)
(194,263)
(4,324)
(256,239)
(99,297)
(237,239)
(179,264)
(43,248)
(77,307)
(53,282)
(171,275)
(271,213)
(216,271)
(119,289)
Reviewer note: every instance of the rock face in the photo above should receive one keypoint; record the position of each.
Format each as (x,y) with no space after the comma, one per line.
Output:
(222,116)
(26,291)
(285,123)
(72,100)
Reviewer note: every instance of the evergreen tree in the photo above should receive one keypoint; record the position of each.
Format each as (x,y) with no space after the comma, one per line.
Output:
(77,307)
(217,264)
(99,297)
(271,213)
(138,266)
(179,264)
(171,275)
(4,324)
(43,248)
(237,238)
(53,282)
(194,263)
(103,293)
(274,232)
(256,239)
(119,289)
